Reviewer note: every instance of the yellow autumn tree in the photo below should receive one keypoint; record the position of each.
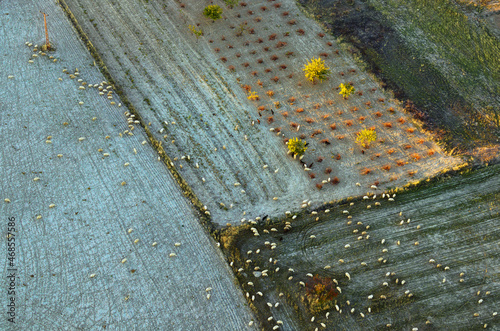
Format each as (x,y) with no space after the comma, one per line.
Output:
(346,90)
(316,69)
(296,146)
(366,137)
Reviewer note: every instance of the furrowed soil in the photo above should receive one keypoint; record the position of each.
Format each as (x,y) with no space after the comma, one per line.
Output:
(193,94)
(441,55)
(428,260)
(92,218)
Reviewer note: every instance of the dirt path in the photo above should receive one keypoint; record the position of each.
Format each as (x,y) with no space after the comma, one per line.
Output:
(97,219)
(196,106)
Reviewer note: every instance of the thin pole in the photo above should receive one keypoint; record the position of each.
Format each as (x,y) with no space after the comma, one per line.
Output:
(46,31)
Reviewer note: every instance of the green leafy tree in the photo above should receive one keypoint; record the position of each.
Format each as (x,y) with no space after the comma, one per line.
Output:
(346,90)
(316,69)
(366,137)
(213,11)
(296,146)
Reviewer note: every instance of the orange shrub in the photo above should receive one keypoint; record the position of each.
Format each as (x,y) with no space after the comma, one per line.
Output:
(361,118)
(294,125)
(309,120)
(270,93)
(335,180)
(430,152)
(291,99)
(401,120)
(388,124)
(312,175)
(378,114)
(325,141)
(319,186)
(328,170)
(400,163)
(299,110)
(391,151)
(410,130)
(285,114)
(407,146)
(415,156)
(270,119)
(387,167)
(348,122)
(366,171)
(333,126)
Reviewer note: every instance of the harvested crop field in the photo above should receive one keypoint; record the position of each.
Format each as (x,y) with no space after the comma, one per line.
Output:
(429,259)
(95,217)
(198,104)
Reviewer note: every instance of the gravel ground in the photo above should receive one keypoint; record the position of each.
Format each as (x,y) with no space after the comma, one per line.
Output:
(196,106)
(85,222)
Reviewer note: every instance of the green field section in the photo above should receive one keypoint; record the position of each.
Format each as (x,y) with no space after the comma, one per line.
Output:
(430,258)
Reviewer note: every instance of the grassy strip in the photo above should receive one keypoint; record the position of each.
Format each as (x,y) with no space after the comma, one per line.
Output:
(203,215)
(469,45)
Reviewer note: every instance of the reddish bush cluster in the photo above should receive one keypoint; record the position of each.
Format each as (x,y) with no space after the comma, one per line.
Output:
(321,288)
(335,181)
(366,171)
(387,167)
(292,22)
(333,126)
(301,32)
(299,110)
(281,44)
(272,36)
(388,124)
(325,141)
(415,156)
(328,170)
(275,79)
(321,34)
(274,57)
(316,132)
(312,175)
(309,120)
